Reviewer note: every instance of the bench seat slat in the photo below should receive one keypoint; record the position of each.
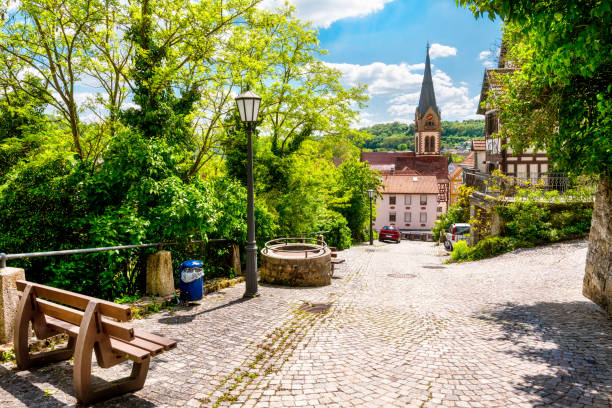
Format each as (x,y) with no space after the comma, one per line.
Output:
(137,348)
(62,326)
(122,313)
(135,353)
(75,317)
(337,261)
(152,348)
(153,338)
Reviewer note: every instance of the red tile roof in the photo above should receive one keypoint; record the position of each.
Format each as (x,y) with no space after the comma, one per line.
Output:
(479,144)
(468,161)
(408,184)
(455,172)
(407,163)
(382,158)
(424,165)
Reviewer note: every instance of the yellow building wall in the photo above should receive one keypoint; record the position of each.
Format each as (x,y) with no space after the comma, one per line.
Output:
(455,182)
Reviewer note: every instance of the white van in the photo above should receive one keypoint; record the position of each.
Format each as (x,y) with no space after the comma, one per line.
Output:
(456,233)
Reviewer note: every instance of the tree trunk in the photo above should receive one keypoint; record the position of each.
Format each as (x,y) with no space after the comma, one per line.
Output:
(598,273)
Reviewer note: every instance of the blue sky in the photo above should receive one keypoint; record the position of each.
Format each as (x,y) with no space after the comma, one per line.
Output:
(382,43)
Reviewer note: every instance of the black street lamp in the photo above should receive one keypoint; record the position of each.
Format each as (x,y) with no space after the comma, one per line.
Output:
(371,195)
(248,106)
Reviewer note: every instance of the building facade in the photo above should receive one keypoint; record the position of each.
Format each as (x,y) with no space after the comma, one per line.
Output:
(409,202)
(456,176)
(531,164)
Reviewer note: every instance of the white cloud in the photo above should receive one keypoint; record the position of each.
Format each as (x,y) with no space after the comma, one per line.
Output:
(323,13)
(397,88)
(484,55)
(488,58)
(13,5)
(441,51)
(382,79)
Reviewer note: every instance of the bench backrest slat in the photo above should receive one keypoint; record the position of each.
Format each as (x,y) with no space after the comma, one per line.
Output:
(75,317)
(122,313)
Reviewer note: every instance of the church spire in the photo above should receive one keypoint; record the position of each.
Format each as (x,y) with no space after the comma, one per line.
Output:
(428,97)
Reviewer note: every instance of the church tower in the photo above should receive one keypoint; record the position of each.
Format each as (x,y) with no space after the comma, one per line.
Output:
(427,117)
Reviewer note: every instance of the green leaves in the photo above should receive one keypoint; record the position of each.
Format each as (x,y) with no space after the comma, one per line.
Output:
(558,99)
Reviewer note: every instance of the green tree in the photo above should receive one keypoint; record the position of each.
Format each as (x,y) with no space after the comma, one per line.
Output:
(354,180)
(22,123)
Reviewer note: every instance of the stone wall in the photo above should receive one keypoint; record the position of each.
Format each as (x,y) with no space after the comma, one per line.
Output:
(598,271)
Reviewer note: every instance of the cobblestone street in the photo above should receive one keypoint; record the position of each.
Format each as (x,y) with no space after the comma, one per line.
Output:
(403,329)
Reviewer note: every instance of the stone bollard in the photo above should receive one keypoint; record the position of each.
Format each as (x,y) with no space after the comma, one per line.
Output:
(160,280)
(236,264)
(8,301)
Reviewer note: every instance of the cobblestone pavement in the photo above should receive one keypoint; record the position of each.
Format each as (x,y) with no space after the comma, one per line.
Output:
(403,329)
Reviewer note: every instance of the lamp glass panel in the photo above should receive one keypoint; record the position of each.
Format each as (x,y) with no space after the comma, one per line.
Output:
(240,103)
(248,108)
(256,103)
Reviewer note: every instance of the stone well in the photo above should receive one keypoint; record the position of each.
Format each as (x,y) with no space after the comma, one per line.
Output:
(288,263)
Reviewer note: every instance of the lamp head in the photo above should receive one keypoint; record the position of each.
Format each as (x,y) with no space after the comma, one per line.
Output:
(248,106)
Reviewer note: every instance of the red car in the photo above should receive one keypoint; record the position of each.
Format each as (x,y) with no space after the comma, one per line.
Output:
(389,232)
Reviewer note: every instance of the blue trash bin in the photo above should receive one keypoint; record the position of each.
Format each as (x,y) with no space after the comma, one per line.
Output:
(191,282)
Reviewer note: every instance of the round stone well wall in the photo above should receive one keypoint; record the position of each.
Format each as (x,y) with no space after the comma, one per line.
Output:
(296,264)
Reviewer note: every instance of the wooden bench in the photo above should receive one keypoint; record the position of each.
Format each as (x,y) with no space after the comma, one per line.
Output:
(86,321)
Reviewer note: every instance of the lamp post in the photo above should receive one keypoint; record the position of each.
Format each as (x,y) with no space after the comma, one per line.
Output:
(248,106)
(371,195)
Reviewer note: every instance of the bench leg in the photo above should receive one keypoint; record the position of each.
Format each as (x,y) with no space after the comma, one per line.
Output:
(26,313)
(90,340)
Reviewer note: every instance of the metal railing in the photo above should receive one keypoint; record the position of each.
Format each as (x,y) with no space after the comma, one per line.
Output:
(8,257)
(508,185)
(284,245)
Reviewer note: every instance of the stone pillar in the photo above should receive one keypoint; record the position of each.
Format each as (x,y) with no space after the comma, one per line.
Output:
(597,284)
(475,237)
(236,264)
(496,223)
(8,301)
(160,280)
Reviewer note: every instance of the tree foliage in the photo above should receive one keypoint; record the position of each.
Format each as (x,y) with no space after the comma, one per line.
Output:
(559,98)
(119,127)
(400,136)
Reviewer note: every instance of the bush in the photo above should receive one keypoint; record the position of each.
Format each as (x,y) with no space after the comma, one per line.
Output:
(133,195)
(492,246)
(461,251)
(339,234)
(485,248)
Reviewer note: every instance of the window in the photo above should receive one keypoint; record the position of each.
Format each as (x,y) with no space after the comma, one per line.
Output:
(407,199)
(423,217)
(439,209)
(392,217)
(423,200)
(392,200)
(407,217)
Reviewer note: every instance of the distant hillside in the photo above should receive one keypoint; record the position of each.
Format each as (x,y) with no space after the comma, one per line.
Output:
(400,136)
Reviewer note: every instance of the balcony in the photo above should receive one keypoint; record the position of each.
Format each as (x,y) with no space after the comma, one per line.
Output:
(507,186)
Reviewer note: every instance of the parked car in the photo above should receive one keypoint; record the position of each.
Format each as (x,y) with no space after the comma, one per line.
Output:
(456,233)
(391,233)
